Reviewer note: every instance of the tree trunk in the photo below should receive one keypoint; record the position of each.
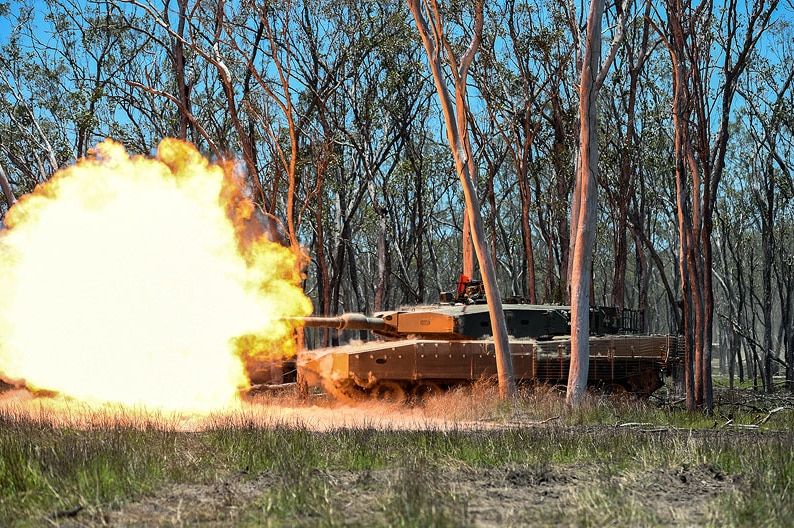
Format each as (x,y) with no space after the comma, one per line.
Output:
(183,81)
(583,220)
(786,298)
(5,186)
(767,214)
(455,115)
(468,263)
(529,252)
(380,213)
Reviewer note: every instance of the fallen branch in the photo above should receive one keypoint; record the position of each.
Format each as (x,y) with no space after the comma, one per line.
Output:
(62,514)
(773,411)
(516,420)
(547,420)
(741,426)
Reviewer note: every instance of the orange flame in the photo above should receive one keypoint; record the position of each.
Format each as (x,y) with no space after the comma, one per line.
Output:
(132,281)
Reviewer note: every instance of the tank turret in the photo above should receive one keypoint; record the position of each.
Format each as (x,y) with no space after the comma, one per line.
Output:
(455,322)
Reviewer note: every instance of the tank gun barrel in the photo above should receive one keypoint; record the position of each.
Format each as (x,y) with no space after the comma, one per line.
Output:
(350,321)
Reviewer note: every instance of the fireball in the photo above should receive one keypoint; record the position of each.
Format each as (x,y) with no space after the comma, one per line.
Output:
(134,281)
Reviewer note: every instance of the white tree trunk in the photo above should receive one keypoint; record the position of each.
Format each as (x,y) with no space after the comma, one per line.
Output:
(6,188)
(583,219)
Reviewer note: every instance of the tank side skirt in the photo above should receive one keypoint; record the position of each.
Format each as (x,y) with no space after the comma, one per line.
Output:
(611,358)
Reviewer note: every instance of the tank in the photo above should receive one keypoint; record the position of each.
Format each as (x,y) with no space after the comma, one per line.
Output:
(423,350)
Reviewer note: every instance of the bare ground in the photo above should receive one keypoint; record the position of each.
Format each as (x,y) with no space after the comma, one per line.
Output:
(550,494)
(545,495)
(513,496)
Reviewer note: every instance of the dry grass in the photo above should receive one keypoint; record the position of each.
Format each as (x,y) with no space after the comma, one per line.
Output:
(462,458)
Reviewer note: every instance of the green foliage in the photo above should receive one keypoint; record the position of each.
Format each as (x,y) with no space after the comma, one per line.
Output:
(45,468)
(764,498)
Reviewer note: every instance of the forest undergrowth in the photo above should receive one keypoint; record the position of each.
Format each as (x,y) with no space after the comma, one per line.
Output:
(462,458)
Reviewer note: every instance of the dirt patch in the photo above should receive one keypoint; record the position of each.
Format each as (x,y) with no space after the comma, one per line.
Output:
(510,496)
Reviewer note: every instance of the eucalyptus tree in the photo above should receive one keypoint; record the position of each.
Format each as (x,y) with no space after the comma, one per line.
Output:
(168,88)
(637,178)
(382,100)
(502,219)
(421,172)
(585,195)
(443,225)
(92,42)
(367,115)
(62,71)
(552,172)
(785,283)
(519,39)
(767,89)
(492,155)
(190,72)
(708,47)
(431,21)
(621,104)
(771,189)
(319,72)
(22,132)
(305,60)
(652,203)
(34,139)
(8,192)
(737,245)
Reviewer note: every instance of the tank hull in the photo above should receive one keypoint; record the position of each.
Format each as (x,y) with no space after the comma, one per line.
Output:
(401,368)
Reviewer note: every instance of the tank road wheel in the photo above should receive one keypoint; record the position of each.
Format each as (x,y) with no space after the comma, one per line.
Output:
(345,391)
(389,391)
(645,383)
(424,390)
(618,391)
